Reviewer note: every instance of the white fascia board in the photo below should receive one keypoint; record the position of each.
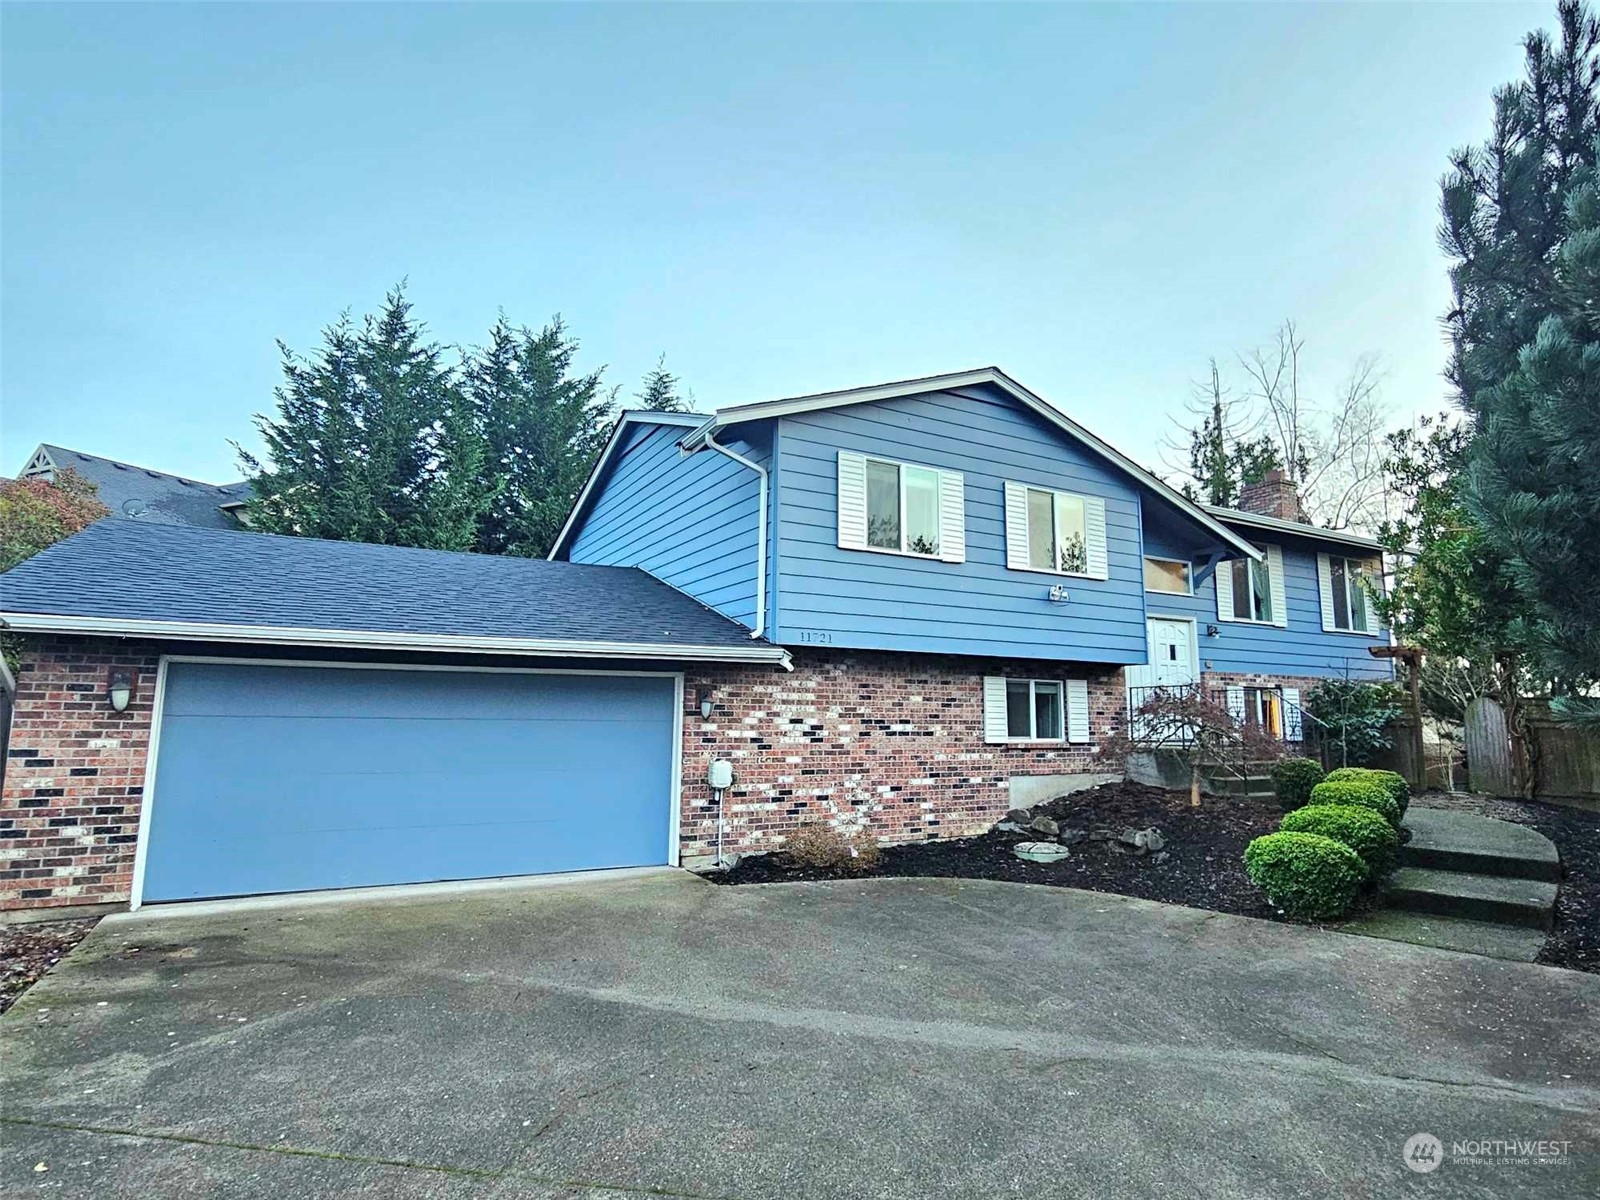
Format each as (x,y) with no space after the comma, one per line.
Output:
(1294,528)
(764,410)
(273,635)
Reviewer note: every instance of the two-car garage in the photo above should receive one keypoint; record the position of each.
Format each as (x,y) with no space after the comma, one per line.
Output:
(283,778)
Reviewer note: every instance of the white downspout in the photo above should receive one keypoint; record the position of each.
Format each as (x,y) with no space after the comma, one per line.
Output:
(761,532)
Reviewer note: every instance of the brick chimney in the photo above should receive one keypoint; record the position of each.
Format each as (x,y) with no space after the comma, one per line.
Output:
(1274,496)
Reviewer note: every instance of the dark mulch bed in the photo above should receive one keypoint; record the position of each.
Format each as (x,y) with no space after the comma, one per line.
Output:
(1575,944)
(1204,867)
(28,951)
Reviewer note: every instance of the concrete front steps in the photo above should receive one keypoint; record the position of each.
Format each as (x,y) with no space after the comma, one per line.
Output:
(1469,883)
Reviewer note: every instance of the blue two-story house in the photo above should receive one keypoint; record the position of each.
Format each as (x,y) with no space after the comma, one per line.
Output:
(906,606)
(970,584)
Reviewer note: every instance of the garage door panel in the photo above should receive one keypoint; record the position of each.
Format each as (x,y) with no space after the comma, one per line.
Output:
(287,778)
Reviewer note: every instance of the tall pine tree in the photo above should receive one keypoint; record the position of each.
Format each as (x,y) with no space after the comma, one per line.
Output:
(1520,223)
(542,425)
(372,441)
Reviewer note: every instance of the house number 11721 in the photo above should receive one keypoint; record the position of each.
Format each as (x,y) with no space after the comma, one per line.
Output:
(815,638)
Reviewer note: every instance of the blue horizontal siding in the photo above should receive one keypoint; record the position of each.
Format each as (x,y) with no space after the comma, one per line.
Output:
(860,599)
(1303,648)
(689,521)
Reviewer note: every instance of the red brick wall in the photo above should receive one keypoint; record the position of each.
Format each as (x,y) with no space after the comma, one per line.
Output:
(69,816)
(1218,680)
(896,737)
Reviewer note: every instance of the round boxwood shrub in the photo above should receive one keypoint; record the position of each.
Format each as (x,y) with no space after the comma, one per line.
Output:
(1362,829)
(1293,779)
(1305,874)
(1358,791)
(1391,781)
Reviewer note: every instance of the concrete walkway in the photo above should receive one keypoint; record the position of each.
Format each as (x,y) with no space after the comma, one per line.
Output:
(890,1038)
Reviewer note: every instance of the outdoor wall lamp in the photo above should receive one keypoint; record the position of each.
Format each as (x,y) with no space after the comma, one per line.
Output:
(1213,631)
(119,689)
(705,704)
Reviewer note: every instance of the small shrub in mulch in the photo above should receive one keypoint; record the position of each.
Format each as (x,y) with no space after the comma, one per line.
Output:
(1305,874)
(1363,792)
(1364,831)
(1390,781)
(824,848)
(28,951)
(1293,779)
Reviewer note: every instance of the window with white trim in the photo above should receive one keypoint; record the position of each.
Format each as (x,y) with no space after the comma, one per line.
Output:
(1169,575)
(1252,590)
(1033,709)
(902,508)
(1349,593)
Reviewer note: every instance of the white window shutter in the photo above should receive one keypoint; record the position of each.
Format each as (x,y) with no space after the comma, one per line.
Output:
(1016,526)
(1374,575)
(1094,536)
(1236,702)
(1224,577)
(1325,591)
(1280,602)
(1077,710)
(995,728)
(1292,731)
(852,500)
(952,517)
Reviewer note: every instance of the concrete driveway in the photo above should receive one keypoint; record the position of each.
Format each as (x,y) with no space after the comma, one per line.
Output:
(891,1038)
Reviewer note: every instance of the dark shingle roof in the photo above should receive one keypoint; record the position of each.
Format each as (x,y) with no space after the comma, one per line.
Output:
(131,571)
(154,497)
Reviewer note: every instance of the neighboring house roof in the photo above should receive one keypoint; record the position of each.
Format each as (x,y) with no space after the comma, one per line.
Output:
(765,409)
(134,579)
(1340,537)
(141,494)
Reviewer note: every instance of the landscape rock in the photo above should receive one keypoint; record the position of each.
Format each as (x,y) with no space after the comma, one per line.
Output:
(1101,835)
(1071,837)
(1142,841)
(1045,826)
(1009,827)
(1020,816)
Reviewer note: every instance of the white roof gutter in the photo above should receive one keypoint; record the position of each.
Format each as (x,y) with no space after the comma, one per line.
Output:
(274,635)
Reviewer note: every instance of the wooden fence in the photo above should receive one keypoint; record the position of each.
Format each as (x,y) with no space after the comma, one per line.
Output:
(1564,761)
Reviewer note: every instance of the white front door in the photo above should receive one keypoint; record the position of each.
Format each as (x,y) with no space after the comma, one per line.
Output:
(1171,653)
(1172,664)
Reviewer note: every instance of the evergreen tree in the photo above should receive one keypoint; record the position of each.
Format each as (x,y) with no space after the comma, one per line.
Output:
(1520,223)
(660,391)
(371,441)
(542,426)
(1221,460)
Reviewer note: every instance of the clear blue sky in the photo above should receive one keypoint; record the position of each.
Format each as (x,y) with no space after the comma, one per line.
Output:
(781,199)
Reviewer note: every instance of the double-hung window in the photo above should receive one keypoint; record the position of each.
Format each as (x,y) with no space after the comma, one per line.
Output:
(901,508)
(1061,533)
(1346,606)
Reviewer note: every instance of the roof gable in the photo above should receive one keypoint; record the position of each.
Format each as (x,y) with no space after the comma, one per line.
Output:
(954,383)
(140,493)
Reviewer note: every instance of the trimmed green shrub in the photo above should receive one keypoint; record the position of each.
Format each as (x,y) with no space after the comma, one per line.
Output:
(1362,829)
(1305,874)
(1392,781)
(1293,779)
(1358,791)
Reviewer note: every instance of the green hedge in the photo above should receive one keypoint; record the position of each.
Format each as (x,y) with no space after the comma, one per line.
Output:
(1293,779)
(1358,791)
(1305,874)
(1391,781)
(1363,830)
